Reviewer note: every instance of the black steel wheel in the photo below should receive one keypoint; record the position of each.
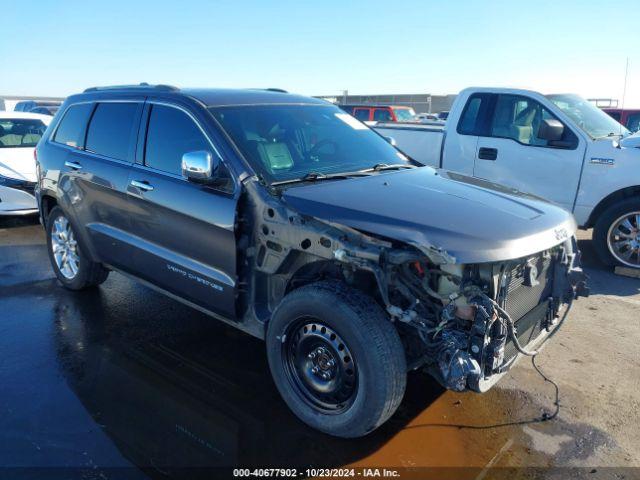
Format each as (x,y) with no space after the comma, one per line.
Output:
(336,359)
(320,365)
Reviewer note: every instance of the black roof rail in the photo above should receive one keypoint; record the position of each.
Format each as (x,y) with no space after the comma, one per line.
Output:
(143,85)
(279,90)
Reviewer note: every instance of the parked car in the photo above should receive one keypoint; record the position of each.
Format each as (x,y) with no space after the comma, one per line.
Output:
(443,115)
(630,118)
(287,218)
(28,105)
(19,134)
(426,117)
(51,111)
(380,113)
(558,147)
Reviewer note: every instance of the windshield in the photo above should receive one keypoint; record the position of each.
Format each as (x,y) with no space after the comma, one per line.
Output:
(284,142)
(404,114)
(20,132)
(587,116)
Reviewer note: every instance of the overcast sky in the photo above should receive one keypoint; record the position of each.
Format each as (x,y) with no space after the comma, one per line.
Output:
(58,47)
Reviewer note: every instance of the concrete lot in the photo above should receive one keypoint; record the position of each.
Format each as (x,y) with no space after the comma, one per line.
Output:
(123,376)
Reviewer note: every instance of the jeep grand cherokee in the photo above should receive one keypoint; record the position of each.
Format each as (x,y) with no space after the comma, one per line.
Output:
(289,219)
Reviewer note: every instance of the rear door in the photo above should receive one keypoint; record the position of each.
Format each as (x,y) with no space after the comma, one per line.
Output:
(510,153)
(185,231)
(95,172)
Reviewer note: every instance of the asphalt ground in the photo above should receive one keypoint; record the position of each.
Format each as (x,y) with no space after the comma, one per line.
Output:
(122,382)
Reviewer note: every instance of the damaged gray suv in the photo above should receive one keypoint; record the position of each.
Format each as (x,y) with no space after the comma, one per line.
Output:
(289,219)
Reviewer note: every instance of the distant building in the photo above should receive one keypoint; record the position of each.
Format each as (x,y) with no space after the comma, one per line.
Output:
(420,102)
(8,102)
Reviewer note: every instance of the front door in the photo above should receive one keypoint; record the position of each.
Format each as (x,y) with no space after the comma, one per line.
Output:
(186,238)
(509,152)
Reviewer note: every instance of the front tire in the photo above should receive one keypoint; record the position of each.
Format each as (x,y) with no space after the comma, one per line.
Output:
(72,266)
(336,359)
(616,234)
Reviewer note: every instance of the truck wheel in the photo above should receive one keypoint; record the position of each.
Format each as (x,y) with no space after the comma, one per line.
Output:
(336,359)
(616,234)
(70,264)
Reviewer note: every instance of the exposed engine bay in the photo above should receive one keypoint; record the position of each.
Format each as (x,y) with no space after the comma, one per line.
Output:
(464,323)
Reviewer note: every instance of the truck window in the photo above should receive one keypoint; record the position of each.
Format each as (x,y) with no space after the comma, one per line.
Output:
(633,122)
(617,116)
(473,119)
(382,115)
(112,131)
(361,114)
(70,132)
(519,118)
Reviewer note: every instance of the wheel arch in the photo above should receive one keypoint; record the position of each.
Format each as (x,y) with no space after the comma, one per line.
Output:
(47,202)
(611,199)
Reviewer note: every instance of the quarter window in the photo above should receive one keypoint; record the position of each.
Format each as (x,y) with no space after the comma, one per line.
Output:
(112,131)
(71,130)
(171,134)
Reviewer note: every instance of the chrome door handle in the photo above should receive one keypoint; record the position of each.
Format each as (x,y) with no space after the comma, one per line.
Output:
(142,185)
(73,165)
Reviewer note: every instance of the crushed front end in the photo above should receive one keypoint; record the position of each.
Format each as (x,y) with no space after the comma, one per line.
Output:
(467,324)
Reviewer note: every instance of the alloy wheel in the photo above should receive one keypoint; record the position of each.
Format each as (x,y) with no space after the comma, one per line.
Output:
(623,239)
(65,248)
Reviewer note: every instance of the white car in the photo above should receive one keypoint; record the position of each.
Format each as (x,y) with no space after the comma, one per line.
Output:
(19,134)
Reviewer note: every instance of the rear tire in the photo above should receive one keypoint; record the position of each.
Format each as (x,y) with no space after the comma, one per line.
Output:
(612,248)
(336,359)
(72,266)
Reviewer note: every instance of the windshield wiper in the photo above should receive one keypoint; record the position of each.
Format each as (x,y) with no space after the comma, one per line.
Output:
(378,167)
(317,176)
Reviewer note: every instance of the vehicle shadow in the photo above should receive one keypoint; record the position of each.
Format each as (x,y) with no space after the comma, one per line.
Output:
(179,393)
(14,222)
(602,279)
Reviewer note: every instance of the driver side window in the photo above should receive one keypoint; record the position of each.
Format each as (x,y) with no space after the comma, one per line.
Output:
(519,118)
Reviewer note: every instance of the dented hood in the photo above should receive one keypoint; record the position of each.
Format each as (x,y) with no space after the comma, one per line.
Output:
(472,220)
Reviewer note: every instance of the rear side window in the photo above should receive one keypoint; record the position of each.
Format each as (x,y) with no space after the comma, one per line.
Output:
(471,122)
(171,134)
(112,130)
(382,115)
(72,126)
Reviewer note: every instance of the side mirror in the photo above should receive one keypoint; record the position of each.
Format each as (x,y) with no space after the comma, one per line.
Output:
(550,130)
(200,166)
(391,140)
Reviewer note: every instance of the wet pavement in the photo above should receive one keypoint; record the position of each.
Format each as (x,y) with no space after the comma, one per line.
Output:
(122,382)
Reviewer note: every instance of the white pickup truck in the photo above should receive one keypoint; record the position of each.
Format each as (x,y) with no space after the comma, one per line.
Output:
(559,147)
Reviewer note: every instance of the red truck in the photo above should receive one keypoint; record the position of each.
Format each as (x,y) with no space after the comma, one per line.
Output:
(630,118)
(380,113)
